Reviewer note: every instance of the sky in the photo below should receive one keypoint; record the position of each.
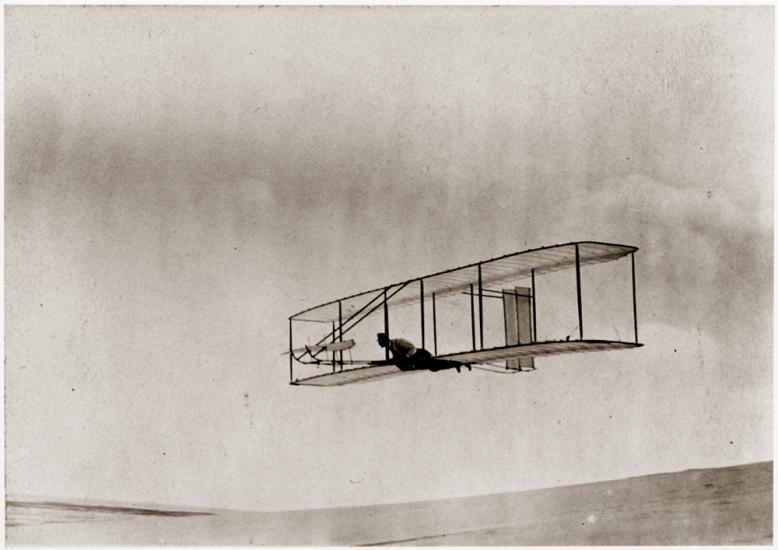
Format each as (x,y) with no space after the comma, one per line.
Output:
(181,180)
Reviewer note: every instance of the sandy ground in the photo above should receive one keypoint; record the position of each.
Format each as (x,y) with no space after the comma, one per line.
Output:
(716,506)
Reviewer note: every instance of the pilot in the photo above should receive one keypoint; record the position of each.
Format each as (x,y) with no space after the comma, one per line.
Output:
(406,355)
(403,352)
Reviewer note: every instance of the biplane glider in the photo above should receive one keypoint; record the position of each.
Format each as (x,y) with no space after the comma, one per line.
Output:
(484,314)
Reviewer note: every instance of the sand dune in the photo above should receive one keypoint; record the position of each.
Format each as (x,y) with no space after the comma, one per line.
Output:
(715,506)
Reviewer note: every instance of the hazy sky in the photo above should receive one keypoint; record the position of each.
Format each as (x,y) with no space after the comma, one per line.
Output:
(180,180)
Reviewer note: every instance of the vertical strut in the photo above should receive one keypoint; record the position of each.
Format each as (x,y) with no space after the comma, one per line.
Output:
(340,332)
(386,324)
(472,314)
(421,285)
(480,307)
(291,355)
(518,324)
(434,325)
(534,311)
(578,291)
(634,299)
(334,339)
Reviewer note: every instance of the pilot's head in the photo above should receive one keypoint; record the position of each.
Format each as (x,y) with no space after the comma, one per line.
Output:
(383,339)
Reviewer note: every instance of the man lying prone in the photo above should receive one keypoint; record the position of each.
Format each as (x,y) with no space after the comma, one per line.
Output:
(408,357)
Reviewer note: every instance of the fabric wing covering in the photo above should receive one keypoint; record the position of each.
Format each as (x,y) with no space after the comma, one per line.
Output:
(494,271)
(537,349)
(382,372)
(353,376)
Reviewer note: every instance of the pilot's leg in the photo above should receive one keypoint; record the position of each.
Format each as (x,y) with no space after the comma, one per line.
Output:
(421,360)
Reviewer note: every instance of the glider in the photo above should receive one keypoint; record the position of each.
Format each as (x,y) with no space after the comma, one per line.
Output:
(509,281)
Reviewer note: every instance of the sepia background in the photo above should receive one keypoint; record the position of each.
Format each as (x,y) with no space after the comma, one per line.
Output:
(180,180)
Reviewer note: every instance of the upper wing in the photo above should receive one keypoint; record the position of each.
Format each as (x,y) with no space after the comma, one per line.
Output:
(493,271)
